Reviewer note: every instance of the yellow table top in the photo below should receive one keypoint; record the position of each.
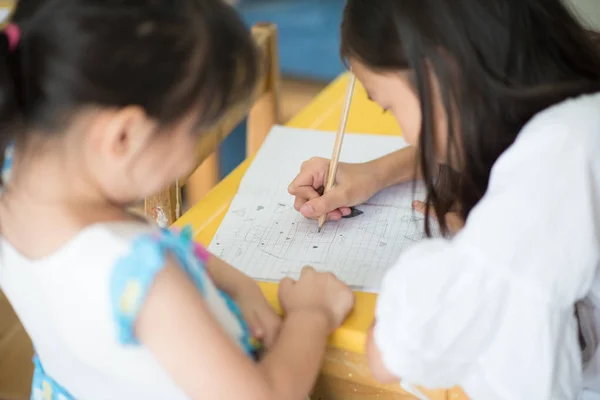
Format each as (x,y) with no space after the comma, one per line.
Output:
(323,113)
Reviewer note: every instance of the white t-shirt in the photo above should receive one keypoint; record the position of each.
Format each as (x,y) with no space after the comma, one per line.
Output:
(79,307)
(492,310)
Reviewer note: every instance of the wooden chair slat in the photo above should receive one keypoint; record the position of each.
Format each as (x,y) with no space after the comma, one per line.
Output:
(262,111)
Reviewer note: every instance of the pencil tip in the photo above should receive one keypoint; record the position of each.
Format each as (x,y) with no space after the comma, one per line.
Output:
(319,231)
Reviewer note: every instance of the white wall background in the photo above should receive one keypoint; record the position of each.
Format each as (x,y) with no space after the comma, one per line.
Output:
(588,11)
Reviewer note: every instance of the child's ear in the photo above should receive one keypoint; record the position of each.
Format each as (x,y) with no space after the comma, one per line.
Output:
(123,133)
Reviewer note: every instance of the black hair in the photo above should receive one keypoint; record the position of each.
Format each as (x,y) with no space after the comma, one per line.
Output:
(25,9)
(498,63)
(170,57)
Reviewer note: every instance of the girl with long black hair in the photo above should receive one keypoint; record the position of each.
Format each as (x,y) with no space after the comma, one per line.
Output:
(500,101)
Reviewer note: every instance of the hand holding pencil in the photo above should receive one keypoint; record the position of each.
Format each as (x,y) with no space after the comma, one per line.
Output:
(337,147)
(354,185)
(350,184)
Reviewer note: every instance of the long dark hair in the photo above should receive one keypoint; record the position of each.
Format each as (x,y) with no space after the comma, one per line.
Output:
(498,63)
(168,57)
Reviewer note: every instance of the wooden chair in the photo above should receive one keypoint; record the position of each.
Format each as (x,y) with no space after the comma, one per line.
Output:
(166,206)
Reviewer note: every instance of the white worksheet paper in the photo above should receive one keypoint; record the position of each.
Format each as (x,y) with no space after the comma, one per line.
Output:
(265,237)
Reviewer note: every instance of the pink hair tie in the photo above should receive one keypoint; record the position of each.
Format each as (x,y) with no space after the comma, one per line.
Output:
(13,35)
(201,252)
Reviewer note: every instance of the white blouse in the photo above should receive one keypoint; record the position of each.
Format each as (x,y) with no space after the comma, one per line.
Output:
(492,310)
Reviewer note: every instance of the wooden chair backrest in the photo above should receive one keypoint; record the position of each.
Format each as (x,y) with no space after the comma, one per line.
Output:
(166,206)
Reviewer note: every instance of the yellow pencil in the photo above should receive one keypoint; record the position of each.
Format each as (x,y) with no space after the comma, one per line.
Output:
(337,147)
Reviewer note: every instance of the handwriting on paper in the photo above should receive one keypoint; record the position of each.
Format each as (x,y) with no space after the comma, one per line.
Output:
(266,238)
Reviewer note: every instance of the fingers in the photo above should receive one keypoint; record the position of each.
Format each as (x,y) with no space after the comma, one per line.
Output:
(312,174)
(335,215)
(331,275)
(330,202)
(308,201)
(418,206)
(453,220)
(270,324)
(304,194)
(305,179)
(421,207)
(345,211)
(286,284)
(255,326)
(306,271)
(264,326)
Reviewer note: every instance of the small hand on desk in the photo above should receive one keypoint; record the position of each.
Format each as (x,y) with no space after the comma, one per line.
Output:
(263,322)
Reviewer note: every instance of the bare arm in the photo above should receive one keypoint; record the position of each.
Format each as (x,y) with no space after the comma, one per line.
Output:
(262,320)
(297,353)
(227,278)
(397,167)
(205,362)
(355,183)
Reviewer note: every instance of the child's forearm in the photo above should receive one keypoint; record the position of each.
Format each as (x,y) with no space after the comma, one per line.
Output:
(226,277)
(292,365)
(397,167)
